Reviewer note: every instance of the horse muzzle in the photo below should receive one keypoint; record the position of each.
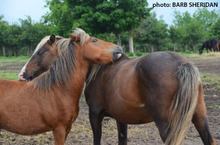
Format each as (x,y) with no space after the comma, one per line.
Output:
(117,53)
(28,77)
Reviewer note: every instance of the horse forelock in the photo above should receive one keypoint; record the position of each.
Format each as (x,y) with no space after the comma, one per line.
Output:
(42,42)
(60,69)
(84,37)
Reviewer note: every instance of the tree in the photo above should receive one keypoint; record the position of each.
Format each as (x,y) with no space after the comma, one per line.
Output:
(175,36)
(97,17)
(189,31)
(214,31)
(3,27)
(16,39)
(32,33)
(153,33)
(205,17)
(60,18)
(13,39)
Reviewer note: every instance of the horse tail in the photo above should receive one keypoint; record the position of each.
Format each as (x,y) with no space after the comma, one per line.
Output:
(184,103)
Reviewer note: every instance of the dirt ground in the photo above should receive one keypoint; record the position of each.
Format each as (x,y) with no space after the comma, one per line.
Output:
(146,134)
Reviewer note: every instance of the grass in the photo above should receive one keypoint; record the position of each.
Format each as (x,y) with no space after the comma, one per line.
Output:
(206,77)
(209,78)
(9,76)
(14,59)
(215,106)
(4,74)
(203,56)
(188,55)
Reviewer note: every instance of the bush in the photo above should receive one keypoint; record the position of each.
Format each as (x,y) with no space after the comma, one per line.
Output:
(130,54)
(139,53)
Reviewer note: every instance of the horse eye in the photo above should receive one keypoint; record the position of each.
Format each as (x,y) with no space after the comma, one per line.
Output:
(94,40)
(39,53)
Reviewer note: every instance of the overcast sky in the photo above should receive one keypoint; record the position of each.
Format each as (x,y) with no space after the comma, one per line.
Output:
(15,9)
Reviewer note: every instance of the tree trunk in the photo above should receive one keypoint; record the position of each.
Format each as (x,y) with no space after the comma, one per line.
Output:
(152,48)
(28,52)
(3,51)
(10,52)
(16,52)
(174,47)
(118,39)
(131,46)
(194,48)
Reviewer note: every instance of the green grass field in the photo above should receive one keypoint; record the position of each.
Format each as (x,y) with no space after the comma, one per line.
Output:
(10,66)
(7,74)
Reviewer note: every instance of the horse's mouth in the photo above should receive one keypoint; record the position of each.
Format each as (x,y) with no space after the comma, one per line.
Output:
(119,54)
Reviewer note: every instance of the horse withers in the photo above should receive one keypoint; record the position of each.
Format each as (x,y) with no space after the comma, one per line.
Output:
(50,102)
(161,87)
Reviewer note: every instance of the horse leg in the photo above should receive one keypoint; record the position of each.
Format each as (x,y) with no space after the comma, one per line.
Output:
(122,133)
(207,50)
(96,124)
(59,134)
(67,131)
(162,126)
(200,121)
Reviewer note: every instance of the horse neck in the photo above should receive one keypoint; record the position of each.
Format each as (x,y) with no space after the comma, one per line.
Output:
(78,77)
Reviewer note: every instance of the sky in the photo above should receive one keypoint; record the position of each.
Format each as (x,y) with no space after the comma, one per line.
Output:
(13,10)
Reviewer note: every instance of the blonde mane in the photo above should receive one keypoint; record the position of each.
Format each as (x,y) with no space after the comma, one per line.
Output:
(63,66)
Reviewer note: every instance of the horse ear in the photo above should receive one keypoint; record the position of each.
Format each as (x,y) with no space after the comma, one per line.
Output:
(52,39)
(75,38)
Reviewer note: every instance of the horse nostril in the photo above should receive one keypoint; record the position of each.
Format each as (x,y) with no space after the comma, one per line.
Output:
(24,75)
(31,78)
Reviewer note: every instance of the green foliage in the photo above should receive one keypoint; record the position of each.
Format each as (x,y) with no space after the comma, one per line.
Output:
(108,16)
(152,35)
(130,54)
(96,17)
(188,32)
(21,39)
(139,53)
(214,31)
(60,17)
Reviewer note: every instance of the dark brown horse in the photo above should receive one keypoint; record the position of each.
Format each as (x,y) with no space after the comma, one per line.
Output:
(50,102)
(209,45)
(218,45)
(162,87)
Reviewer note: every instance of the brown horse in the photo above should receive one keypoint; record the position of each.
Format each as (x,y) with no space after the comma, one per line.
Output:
(50,102)
(162,87)
(218,45)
